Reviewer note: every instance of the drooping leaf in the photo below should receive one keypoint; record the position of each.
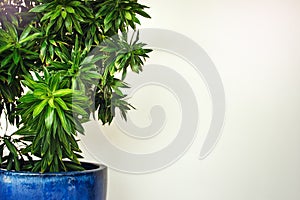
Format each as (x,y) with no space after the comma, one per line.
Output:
(11,147)
(49,117)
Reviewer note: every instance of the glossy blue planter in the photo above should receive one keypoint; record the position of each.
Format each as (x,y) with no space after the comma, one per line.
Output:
(86,185)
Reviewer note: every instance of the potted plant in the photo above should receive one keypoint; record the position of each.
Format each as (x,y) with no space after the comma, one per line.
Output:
(58,65)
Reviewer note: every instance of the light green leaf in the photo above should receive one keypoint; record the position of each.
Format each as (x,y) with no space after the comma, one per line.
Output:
(62,92)
(43,51)
(40,8)
(128,16)
(28,98)
(51,103)
(31,37)
(74,3)
(40,108)
(56,14)
(63,121)
(64,14)
(25,32)
(70,9)
(49,117)
(47,16)
(61,103)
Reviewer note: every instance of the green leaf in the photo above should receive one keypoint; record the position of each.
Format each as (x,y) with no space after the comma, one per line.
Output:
(51,103)
(40,108)
(49,117)
(1,153)
(6,60)
(45,147)
(109,18)
(62,92)
(61,103)
(40,8)
(47,16)
(53,42)
(44,165)
(11,147)
(63,120)
(77,109)
(25,33)
(30,38)
(59,152)
(74,3)
(77,26)
(128,16)
(17,163)
(55,79)
(56,14)
(49,25)
(74,167)
(107,27)
(64,14)
(28,98)
(5,47)
(16,56)
(43,51)
(70,9)
(51,51)
(69,24)
(11,30)
(37,166)
(59,24)
(10,162)
(142,13)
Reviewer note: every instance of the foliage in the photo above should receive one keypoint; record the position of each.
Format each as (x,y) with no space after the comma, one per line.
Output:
(66,55)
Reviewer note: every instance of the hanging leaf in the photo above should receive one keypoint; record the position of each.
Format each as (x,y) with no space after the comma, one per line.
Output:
(49,117)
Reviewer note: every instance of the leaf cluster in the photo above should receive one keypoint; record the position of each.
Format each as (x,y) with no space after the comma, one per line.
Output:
(66,54)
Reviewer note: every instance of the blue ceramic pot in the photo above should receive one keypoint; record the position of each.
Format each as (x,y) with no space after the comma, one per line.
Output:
(85,185)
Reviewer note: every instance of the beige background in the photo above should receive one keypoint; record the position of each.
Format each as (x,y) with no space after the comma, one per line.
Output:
(255,45)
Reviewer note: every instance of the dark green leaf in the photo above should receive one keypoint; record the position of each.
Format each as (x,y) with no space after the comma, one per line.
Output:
(77,26)
(6,60)
(11,147)
(63,120)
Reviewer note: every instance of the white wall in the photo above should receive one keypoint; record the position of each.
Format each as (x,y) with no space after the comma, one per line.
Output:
(255,46)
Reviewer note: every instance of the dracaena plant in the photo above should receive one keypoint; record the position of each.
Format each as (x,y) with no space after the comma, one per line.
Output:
(58,66)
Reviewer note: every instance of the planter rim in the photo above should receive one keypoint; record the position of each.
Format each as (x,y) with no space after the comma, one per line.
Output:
(98,167)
